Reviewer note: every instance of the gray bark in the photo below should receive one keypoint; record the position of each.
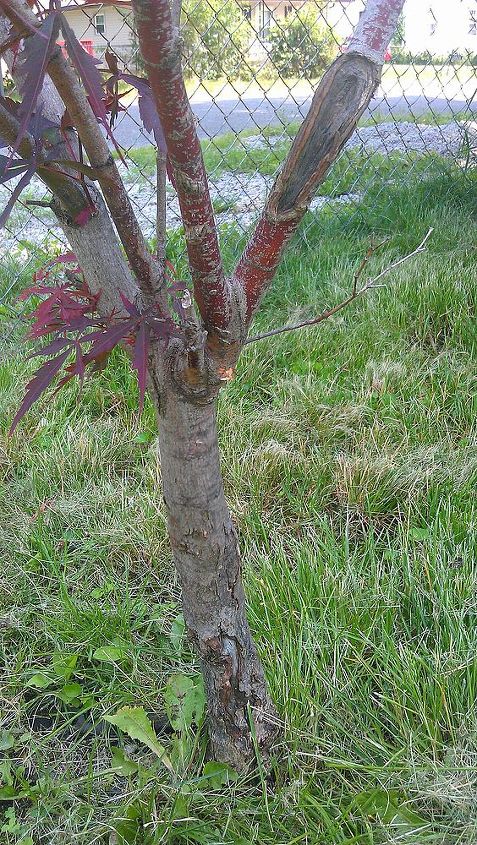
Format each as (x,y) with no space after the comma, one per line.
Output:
(99,255)
(206,554)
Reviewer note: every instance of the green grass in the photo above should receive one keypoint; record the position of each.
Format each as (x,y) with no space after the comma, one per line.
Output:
(225,153)
(349,457)
(235,153)
(428,118)
(409,77)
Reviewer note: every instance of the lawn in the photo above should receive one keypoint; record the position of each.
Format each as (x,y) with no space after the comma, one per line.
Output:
(350,463)
(408,79)
(255,151)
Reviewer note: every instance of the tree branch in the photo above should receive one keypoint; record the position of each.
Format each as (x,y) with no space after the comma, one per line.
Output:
(375,28)
(107,271)
(161,50)
(52,106)
(176,9)
(87,241)
(355,294)
(339,101)
(68,190)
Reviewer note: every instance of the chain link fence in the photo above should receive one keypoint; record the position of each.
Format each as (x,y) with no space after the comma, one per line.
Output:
(251,69)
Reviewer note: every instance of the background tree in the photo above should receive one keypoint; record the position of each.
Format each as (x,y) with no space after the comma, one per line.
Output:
(215,40)
(215,37)
(399,38)
(302,45)
(184,347)
(397,45)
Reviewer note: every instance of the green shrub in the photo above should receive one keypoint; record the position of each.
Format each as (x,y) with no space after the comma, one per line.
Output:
(216,38)
(301,45)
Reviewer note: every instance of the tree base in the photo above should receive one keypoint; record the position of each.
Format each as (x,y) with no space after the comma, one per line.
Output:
(242,720)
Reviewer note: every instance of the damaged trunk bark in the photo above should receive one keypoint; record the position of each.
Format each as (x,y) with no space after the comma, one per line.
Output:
(207,558)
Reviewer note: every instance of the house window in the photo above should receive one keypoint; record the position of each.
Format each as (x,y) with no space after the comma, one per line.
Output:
(99,24)
(288,10)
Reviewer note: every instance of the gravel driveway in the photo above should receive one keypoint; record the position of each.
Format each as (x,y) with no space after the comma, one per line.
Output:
(237,196)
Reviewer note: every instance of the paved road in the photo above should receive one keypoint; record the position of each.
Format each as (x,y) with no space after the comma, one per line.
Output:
(235,115)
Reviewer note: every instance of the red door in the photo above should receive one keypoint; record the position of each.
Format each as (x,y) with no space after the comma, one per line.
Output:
(86,45)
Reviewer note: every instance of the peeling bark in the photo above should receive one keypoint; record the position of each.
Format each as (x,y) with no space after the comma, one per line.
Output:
(339,101)
(337,105)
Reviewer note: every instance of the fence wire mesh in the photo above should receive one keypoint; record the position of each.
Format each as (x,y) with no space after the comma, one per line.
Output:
(251,69)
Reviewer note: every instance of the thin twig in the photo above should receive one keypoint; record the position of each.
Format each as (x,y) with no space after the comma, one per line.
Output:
(39,203)
(373,283)
(370,252)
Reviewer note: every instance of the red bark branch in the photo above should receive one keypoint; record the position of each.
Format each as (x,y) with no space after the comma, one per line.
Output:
(375,29)
(355,292)
(161,49)
(340,99)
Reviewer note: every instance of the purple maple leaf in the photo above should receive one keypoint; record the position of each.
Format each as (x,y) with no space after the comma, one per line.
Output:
(90,76)
(38,384)
(36,55)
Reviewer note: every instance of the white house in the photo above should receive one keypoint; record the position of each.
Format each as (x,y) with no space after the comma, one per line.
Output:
(437,26)
(441,26)
(342,16)
(99,24)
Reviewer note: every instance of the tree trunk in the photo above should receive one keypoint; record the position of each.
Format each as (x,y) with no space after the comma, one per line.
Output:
(206,555)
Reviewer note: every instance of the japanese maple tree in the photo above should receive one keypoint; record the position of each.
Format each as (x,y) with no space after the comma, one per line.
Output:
(114,289)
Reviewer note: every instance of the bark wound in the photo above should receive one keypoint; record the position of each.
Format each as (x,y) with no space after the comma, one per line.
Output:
(336,107)
(341,97)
